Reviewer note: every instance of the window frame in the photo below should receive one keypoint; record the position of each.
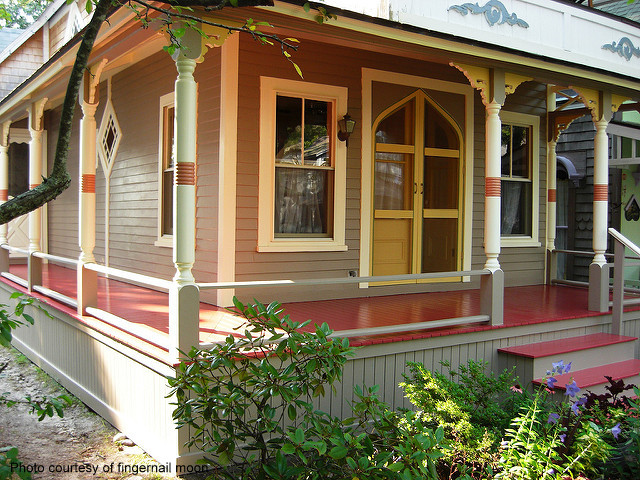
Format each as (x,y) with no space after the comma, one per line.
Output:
(166,101)
(533,123)
(270,88)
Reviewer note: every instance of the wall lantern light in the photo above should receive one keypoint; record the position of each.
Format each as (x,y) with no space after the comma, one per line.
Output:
(346,125)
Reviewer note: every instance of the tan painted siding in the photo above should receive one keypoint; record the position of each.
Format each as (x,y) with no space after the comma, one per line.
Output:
(525,266)
(63,211)
(56,34)
(208,77)
(21,64)
(133,199)
(346,71)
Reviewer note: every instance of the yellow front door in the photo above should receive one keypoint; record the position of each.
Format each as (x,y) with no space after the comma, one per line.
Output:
(417,189)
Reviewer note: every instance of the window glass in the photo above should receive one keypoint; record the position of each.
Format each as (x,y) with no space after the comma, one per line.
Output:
(393,181)
(516,185)
(303,176)
(168,160)
(625,147)
(398,127)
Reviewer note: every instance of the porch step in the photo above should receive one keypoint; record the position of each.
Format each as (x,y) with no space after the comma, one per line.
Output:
(592,379)
(585,352)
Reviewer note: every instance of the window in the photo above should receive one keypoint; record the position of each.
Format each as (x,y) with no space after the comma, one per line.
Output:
(165,169)
(302,167)
(519,173)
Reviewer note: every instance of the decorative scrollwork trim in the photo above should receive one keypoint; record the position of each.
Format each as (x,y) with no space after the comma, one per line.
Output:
(494,12)
(625,48)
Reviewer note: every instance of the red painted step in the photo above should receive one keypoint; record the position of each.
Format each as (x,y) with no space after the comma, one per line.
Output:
(566,345)
(592,377)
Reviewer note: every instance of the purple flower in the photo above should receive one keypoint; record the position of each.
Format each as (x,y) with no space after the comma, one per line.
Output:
(558,366)
(615,431)
(572,389)
(553,418)
(551,382)
(567,367)
(575,408)
(562,437)
(582,401)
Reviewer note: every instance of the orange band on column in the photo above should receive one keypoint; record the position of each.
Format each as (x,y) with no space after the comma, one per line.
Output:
(600,193)
(33,185)
(4,195)
(185,173)
(88,184)
(551,195)
(492,187)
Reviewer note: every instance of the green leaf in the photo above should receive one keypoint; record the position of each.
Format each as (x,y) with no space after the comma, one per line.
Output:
(288,449)
(291,412)
(299,435)
(338,452)
(307,7)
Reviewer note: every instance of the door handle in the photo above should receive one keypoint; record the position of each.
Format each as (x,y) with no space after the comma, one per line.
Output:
(415,187)
(421,188)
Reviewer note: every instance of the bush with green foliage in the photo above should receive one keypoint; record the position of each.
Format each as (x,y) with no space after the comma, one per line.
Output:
(473,407)
(248,402)
(555,440)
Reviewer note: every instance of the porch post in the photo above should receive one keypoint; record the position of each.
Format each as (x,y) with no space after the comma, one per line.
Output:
(4,175)
(598,270)
(552,268)
(36,112)
(4,191)
(87,279)
(492,185)
(184,298)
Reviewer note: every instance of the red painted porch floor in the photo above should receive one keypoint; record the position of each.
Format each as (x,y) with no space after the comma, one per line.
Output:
(149,308)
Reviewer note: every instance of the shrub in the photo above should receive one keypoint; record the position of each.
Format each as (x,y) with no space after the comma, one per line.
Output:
(554,440)
(473,407)
(249,404)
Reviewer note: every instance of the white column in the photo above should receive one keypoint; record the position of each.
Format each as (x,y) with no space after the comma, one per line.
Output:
(184,297)
(87,186)
(600,191)
(184,188)
(87,279)
(4,187)
(492,218)
(35,179)
(551,195)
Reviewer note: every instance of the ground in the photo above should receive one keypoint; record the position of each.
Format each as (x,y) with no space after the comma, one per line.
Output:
(80,438)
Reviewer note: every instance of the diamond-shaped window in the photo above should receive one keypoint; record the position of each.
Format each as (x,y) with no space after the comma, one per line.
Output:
(109,136)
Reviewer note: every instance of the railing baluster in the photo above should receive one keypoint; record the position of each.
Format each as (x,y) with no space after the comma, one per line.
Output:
(618,287)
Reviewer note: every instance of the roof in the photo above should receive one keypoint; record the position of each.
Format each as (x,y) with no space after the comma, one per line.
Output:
(7,36)
(621,8)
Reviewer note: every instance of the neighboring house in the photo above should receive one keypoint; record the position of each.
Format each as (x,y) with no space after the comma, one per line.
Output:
(225,165)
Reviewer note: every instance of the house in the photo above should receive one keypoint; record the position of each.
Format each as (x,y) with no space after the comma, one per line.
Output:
(424,234)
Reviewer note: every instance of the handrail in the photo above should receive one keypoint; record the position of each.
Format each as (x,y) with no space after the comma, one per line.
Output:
(618,302)
(584,253)
(125,275)
(341,280)
(56,258)
(11,249)
(625,241)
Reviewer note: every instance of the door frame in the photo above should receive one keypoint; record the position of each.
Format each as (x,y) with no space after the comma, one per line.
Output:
(366,199)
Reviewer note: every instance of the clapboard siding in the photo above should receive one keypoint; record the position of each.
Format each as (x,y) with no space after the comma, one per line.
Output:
(133,219)
(62,217)
(251,265)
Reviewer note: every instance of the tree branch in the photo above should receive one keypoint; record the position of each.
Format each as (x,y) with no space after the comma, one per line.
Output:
(245,28)
(60,179)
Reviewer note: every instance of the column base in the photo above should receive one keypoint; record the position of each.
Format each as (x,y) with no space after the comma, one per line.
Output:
(598,287)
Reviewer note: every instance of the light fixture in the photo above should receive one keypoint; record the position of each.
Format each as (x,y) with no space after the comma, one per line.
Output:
(346,125)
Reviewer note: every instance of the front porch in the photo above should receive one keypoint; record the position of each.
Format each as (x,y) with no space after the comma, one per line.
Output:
(146,311)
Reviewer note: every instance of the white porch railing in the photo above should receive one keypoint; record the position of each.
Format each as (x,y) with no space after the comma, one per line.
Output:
(621,242)
(184,303)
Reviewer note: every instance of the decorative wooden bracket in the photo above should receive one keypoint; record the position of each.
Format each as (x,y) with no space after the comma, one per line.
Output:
(560,120)
(91,80)
(216,36)
(493,85)
(36,111)
(591,99)
(4,133)
(513,81)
